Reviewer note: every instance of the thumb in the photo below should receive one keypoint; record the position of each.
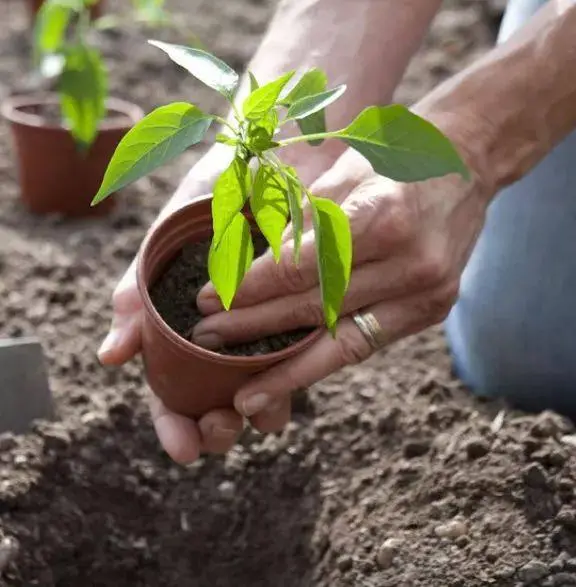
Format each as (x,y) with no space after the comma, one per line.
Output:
(124,337)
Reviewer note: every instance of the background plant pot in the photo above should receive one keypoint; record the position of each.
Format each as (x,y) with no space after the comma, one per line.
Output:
(34,7)
(190,380)
(55,177)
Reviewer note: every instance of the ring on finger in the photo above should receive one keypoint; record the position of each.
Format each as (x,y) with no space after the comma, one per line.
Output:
(369,326)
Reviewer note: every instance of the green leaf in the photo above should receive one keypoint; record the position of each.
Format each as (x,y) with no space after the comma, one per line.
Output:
(253,82)
(263,99)
(158,138)
(311,83)
(296,214)
(260,140)
(230,193)
(261,132)
(226,140)
(334,255)
(314,124)
(269,204)
(202,65)
(82,88)
(309,105)
(401,145)
(50,27)
(229,261)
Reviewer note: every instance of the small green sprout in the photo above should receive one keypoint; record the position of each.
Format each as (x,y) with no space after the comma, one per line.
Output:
(397,143)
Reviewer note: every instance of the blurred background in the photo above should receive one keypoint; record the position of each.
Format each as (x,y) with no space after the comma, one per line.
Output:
(386,449)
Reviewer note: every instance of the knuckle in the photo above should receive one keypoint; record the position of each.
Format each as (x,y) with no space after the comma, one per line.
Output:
(439,303)
(307,312)
(432,269)
(290,276)
(396,221)
(352,349)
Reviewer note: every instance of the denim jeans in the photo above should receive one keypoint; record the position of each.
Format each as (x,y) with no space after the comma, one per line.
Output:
(512,332)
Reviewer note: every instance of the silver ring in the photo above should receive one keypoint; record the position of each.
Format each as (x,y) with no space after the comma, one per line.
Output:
(370,327)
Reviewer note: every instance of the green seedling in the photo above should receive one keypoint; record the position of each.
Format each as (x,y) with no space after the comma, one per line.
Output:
(64,51)
(399,145)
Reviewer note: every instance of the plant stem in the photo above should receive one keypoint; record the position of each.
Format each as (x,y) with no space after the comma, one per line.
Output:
(224,122)
(312,137)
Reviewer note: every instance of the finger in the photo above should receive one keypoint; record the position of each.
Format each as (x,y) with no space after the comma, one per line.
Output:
(178,435)
(336,184)
(267,278)
(123,340)
(380,226)
(370,283)
(398,318)
(220,430)
(275,417)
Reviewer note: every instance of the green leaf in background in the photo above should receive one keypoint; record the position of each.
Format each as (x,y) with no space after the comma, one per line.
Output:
(230,193)
(401,145)
(149,11)
(107,22)
(229,261)
(158,138)
(334,255)
(202,65)
(263,99)
(309,105)
(269,204)
(294,194)
(50,27)
(311,83)
(82,88)
(254,85)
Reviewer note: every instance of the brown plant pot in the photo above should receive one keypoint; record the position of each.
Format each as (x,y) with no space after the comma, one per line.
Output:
(55,177)
(190,380)
(34,6)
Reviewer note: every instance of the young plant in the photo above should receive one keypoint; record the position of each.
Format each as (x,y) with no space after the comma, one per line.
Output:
(63,51)
(398,144)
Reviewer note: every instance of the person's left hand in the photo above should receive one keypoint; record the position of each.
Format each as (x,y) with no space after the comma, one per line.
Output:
(411,243)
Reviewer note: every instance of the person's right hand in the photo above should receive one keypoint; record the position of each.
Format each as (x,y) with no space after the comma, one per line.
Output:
(182,438)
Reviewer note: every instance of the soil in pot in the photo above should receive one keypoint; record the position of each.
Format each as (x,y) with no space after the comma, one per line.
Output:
(174,296)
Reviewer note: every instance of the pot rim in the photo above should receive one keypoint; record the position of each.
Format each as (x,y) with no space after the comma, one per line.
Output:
(11,110)
(188,346)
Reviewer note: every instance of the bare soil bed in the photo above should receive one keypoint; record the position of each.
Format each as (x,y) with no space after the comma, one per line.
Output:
(391,475)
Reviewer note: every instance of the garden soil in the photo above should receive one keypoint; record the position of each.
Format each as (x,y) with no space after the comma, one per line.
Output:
(391,474)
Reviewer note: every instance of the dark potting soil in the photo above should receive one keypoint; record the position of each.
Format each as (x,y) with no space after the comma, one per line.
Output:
(174,296)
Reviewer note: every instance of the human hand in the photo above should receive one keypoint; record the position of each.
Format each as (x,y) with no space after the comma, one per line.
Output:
(182,438)
(411,243)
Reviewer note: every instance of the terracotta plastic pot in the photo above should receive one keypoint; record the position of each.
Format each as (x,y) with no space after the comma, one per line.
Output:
(34,7)
(190,380)
(55,177)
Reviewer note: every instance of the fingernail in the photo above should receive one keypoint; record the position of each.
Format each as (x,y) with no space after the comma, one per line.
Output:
(255,403)
(109,343)
(207,340)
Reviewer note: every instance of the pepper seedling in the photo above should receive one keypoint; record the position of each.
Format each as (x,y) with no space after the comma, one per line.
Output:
(63,51)
(399,145)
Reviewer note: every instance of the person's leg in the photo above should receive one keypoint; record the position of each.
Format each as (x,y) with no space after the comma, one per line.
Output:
(513,330)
